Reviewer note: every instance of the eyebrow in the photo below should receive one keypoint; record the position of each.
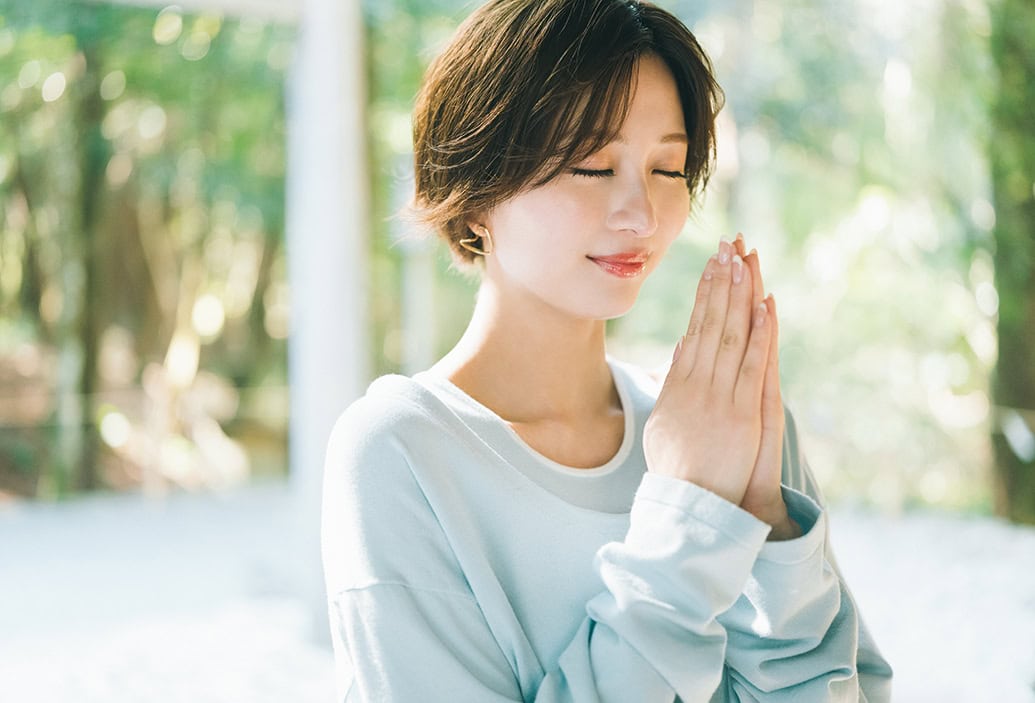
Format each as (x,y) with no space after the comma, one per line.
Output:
(679,137)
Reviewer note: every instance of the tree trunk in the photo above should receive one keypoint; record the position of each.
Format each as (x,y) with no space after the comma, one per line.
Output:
(1012,146)
(93,154)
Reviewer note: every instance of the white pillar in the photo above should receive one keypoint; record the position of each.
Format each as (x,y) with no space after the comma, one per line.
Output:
(327,233)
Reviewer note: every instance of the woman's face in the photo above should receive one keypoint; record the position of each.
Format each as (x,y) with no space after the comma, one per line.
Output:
(561,242)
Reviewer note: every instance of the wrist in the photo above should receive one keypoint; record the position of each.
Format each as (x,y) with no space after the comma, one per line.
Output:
(784,529)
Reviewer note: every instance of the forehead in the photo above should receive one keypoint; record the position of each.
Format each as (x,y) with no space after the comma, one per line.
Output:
(653,85)
(654,105)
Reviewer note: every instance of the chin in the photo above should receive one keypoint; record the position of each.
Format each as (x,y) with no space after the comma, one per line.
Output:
(608,310)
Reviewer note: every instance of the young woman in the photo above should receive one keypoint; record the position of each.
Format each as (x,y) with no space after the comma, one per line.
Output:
(531,519)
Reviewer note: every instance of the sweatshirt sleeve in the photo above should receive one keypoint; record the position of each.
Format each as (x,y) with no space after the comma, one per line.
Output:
(406,626)
(795,634)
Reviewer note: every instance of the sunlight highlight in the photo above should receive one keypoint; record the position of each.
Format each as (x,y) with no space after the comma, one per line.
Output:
(113,85)
(1018,435)
(181,360)
(53,87)
(29,74)
(208,316)
(168,26)
(115,429)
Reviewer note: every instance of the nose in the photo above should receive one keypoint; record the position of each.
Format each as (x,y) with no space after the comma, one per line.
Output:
(632,209)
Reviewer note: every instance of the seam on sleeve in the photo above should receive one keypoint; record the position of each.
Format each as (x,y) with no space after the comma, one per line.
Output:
(374,584)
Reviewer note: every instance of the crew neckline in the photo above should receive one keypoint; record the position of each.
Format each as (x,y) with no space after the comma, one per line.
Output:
(434,380)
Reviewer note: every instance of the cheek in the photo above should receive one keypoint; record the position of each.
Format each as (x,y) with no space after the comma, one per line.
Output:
(559,220)
(673,210)
(532,233)
(563,206)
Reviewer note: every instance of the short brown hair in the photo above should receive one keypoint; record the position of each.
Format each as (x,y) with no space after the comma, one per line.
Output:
(528,88)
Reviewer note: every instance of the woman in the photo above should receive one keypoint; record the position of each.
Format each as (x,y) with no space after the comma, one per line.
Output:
(530,518)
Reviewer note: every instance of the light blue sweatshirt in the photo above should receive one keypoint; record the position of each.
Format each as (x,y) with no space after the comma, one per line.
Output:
(464,566)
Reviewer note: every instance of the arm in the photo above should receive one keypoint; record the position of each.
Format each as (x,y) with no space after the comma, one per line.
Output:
(796,633)
(406,625)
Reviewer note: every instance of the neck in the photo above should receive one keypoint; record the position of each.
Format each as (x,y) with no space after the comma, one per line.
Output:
(529,362)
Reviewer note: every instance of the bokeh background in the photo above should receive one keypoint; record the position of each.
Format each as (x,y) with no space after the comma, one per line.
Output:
(155,272)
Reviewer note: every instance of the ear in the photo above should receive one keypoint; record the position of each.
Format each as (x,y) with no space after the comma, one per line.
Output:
(480,221)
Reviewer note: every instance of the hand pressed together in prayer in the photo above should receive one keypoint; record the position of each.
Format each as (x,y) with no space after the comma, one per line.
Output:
(719,420)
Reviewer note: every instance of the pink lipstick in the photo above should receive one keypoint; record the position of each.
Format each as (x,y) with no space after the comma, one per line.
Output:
(625,265)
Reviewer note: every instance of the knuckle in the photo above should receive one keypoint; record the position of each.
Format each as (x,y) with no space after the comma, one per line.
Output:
(730,339)
(694,329)
(749,369)
(709,324)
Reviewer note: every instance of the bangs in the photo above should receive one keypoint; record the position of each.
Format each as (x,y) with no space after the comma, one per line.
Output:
(583,120)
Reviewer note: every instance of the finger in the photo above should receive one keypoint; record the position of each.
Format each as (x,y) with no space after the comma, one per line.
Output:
(756,277)
(772,402)
(751,259)
(770,449)
(684,358)
(753,370)
(714,321)
(740,245)
(738,326)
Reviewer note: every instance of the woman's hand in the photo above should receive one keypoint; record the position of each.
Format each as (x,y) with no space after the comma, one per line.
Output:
(706,426)
(763,497)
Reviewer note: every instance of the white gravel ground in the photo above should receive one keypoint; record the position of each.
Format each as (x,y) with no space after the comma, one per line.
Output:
(122,600)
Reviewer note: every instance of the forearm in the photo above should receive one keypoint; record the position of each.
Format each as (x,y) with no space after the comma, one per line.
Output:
(792,631)
(684,561)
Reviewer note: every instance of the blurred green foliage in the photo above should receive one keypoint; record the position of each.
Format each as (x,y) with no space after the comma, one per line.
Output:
(142,202)
(853,155)
(1013,167)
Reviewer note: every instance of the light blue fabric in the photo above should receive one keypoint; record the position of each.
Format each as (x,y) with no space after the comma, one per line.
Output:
(462,565)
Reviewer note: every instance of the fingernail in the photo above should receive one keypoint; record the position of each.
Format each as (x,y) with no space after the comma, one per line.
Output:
(724,252)
(738,268)
(708,269)
(760,314)
(679,346)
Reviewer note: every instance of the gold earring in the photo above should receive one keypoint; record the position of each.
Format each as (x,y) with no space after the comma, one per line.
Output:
(486,238)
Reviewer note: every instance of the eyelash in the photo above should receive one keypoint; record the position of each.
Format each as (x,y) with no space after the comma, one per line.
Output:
(608,172)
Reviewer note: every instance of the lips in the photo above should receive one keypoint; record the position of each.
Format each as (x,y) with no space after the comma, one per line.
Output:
(621,265)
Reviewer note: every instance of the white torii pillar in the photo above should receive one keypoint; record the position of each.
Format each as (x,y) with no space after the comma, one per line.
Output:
(327,235)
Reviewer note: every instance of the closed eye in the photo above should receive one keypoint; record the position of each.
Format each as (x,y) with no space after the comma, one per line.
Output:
(603,173)
(592,173)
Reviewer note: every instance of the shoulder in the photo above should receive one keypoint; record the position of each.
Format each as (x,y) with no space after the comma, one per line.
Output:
(377,523)
(392,404)
(375,427)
